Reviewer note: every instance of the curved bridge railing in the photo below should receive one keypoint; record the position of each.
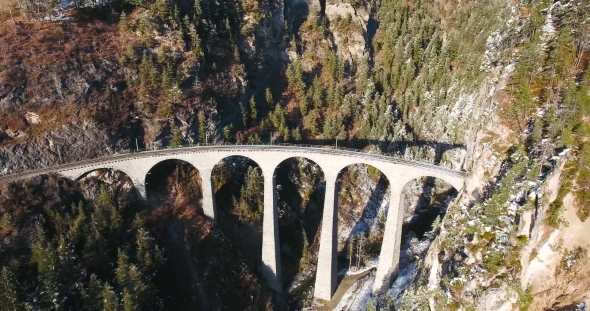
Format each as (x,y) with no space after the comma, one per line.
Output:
(325,149)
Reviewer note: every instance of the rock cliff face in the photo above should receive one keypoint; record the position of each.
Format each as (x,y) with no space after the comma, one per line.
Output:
(61,145)
(555,263)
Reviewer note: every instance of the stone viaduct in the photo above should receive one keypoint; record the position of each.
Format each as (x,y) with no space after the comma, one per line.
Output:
(331,161)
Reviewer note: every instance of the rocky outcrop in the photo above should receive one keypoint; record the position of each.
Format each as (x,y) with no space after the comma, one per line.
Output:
(69,143)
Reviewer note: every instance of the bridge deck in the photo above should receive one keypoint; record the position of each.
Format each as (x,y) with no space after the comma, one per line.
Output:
(328,150)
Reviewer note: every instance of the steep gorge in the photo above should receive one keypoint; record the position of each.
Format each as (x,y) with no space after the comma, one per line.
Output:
(497,88)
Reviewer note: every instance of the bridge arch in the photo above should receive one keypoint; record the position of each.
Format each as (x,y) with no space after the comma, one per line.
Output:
(300,191)
(423,199)
(363,200)
(117,182)
(221,173)
(99,169)
(457,184)
(184,177)
(391,249)
(238,186)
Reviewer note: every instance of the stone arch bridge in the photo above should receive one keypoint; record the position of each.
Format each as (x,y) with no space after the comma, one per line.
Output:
(332,161)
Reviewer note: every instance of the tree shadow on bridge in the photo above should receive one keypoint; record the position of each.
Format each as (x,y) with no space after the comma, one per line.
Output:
(370,225)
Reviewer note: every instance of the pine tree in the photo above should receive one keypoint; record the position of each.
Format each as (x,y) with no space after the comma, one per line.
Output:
(147,71)
(148,254)
(309,123)
(254,139)
(268,97)
(138,290)
(106,216)
(202,127)
(196,43)
(167,79)
(94,249)
(159,9)
(523,104)
(45,257)
(328,127)
(128,302)
(144,245)
(176,20)
(564,48)
(252,189)
(5,223)
(286,133)
(109,299)
(296,134)
(316,94)
(253,110)
(93,295)
(176,140)
(68,271)
(123,22)
(122,274)
(142,92)
(9,299)
(244,115)
(303,107)
(198,12)
(77,229)
(226,133)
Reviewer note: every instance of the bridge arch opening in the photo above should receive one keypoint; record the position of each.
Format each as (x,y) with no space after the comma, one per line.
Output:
(301,187)
(117,183)
(363,202)
(176,183)
(238,183)
(424,202)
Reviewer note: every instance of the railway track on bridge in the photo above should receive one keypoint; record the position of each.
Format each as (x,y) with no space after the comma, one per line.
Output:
(199,148)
